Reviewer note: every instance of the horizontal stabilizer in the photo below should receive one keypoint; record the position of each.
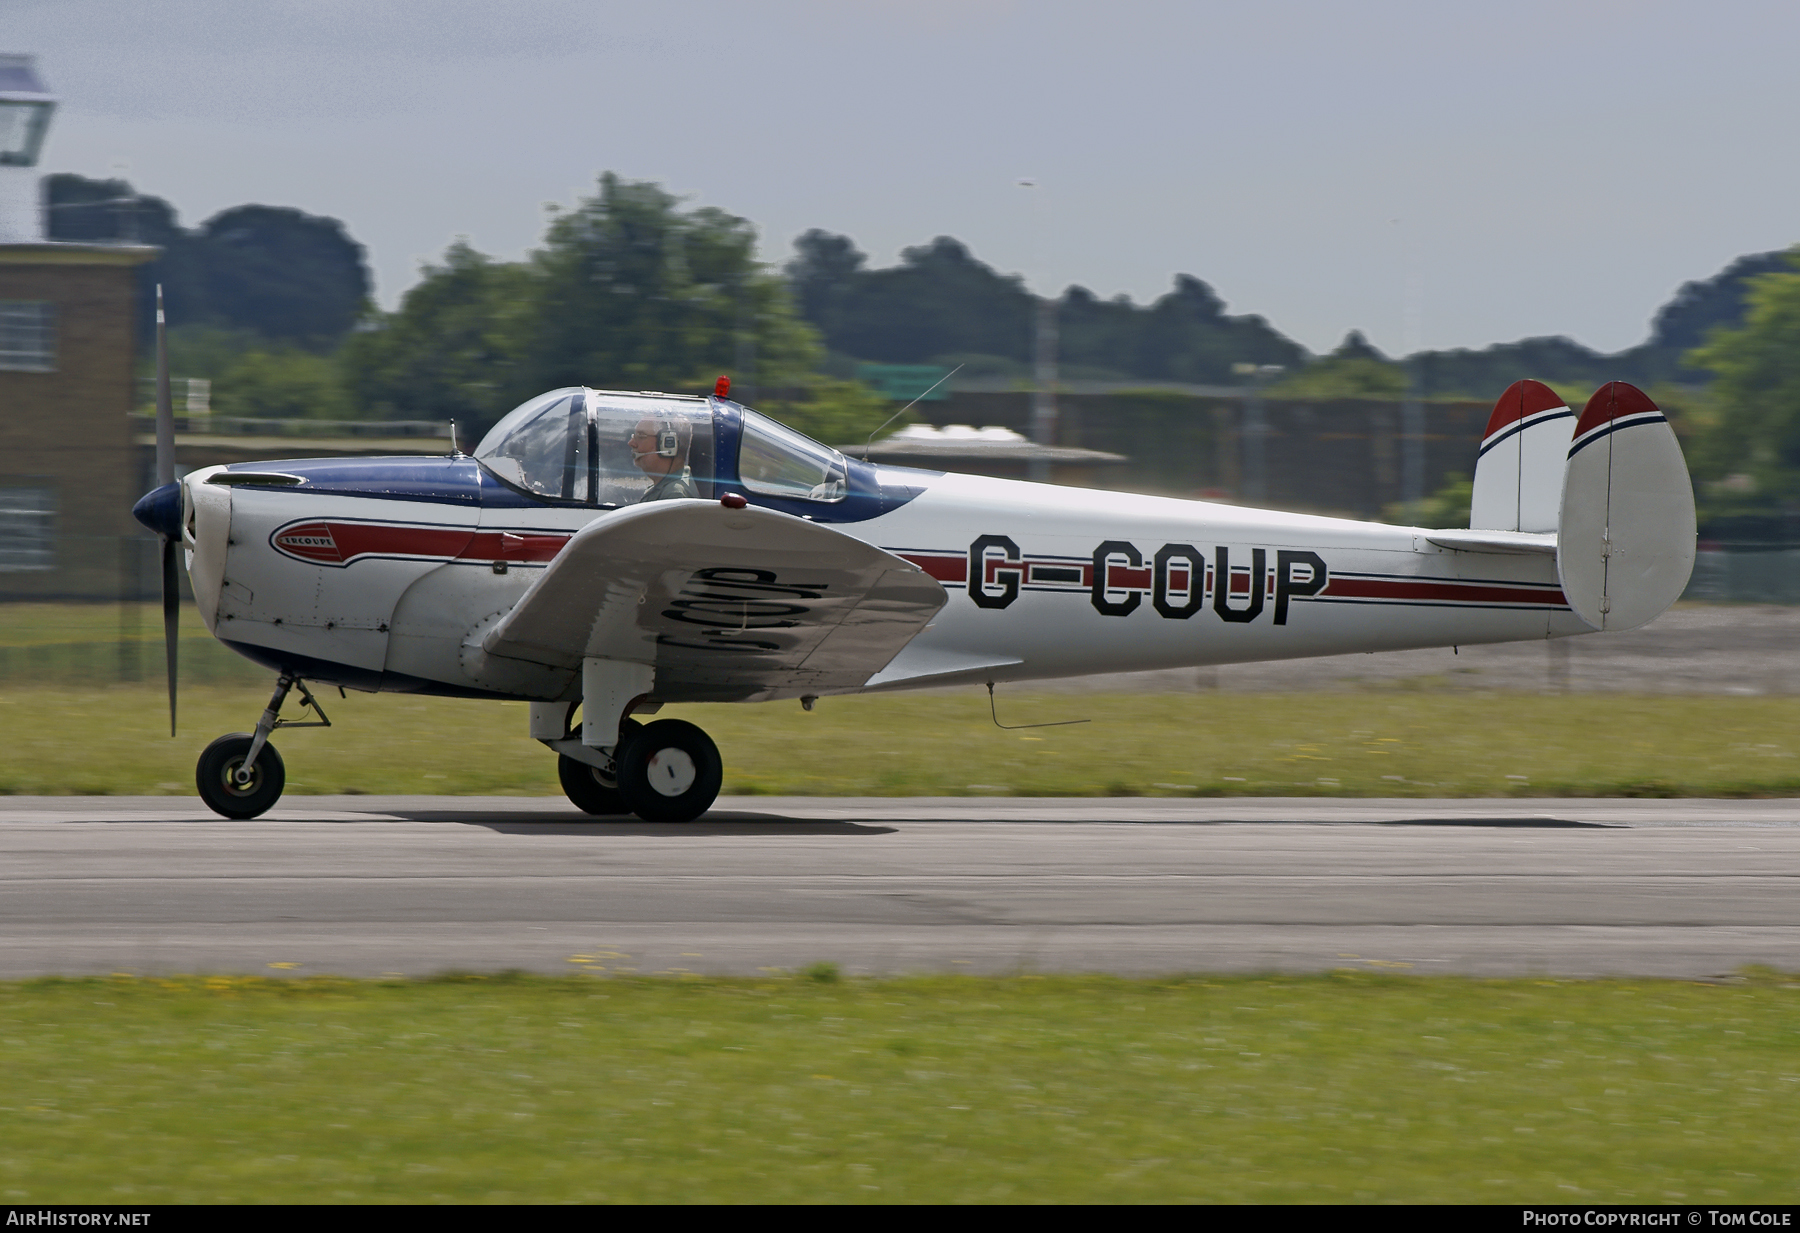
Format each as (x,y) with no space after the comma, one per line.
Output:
(1625,544)
(1495,541)
(1519,470)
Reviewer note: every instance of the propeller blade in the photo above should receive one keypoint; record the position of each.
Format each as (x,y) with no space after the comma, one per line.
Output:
(165,411)
(171,597)
(165,474)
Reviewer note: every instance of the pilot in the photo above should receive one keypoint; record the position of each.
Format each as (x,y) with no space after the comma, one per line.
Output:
(659,447)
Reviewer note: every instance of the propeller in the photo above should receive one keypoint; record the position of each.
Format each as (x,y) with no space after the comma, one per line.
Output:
(165,475)
(160,508)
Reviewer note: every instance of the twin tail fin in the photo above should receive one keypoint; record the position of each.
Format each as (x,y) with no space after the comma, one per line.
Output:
(1519,471)
(1625,538)
(1607,490)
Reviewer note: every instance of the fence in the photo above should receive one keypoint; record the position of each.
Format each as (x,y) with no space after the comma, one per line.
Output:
(1746,574)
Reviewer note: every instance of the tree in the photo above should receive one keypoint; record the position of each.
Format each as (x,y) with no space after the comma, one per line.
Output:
(455,349)
(1756,385)
(938,301)
(270,271)
(1447,507)
(632,292)
(288,275)
(289,383)
(1557,361)
(1187,336)
(840,413)
(821,274)
(1355,370)
(1697,309)
(629,291)
(941,305)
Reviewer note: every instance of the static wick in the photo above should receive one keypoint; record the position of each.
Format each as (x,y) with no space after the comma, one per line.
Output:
(1060,723)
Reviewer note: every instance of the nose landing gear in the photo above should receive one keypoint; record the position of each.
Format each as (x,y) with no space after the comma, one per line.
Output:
(241,775)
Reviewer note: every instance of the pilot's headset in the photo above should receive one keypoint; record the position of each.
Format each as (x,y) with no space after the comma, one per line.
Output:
(668,438)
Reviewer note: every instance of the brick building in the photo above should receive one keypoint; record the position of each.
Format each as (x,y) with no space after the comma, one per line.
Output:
(68,473)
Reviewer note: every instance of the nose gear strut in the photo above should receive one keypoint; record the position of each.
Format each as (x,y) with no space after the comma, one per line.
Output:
(241,775)
(270,721)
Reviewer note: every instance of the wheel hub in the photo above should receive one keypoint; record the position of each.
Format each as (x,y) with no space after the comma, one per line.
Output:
(671,771)
(239,781)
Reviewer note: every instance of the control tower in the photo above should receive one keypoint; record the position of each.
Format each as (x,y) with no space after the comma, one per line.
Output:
(25,107)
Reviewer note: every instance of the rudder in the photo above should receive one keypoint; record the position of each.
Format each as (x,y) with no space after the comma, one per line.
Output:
(1519,470)
(1626,534)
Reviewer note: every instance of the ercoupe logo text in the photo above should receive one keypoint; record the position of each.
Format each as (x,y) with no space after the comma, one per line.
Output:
(310,542)
(1179,579)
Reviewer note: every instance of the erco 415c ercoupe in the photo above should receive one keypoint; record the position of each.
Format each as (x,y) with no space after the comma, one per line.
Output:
(603,553)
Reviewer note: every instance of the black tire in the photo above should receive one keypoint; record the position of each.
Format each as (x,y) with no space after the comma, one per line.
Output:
(588,790)
(669,772)
(221,792)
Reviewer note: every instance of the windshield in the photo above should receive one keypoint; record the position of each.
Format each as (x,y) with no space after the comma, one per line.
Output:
(777,461)
(596,447)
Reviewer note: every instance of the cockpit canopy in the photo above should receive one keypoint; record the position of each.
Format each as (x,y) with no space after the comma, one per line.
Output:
(600,448)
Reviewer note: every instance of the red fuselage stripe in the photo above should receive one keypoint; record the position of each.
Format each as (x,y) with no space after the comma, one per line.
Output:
(1442,591)
(335,543)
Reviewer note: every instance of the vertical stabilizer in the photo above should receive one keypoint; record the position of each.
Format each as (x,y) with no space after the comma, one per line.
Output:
(1625,542)
(1519,471)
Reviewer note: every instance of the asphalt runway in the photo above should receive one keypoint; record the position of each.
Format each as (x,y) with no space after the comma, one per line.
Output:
(363,885)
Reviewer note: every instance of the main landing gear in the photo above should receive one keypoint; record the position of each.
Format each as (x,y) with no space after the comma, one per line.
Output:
(240,775)
(667,771)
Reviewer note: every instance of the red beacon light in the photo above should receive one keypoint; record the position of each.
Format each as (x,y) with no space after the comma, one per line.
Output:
(722,388)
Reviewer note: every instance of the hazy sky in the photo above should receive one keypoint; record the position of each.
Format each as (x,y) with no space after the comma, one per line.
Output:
(1498,169)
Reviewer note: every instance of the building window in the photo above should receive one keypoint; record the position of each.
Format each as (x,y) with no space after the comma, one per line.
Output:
(27,528)
(28,335)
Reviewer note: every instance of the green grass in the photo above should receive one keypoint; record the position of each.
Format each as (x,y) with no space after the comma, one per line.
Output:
(114,740)
(59,664)
(1342,1088)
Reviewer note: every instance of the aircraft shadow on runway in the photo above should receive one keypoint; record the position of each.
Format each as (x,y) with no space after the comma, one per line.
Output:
(1565,824)
(712,825)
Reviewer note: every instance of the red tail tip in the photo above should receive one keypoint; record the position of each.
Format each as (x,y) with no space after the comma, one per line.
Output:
(722,388)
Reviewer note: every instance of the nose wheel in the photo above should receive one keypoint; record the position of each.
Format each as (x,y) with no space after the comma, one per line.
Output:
(231,790)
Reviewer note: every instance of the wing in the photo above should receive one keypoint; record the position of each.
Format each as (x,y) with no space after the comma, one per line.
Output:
(729,605)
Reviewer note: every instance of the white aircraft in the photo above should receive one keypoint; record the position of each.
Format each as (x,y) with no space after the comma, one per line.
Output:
(609,552)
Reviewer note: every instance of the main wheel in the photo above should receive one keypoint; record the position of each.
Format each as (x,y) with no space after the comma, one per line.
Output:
(669,772)
(216,777)
(588,790)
